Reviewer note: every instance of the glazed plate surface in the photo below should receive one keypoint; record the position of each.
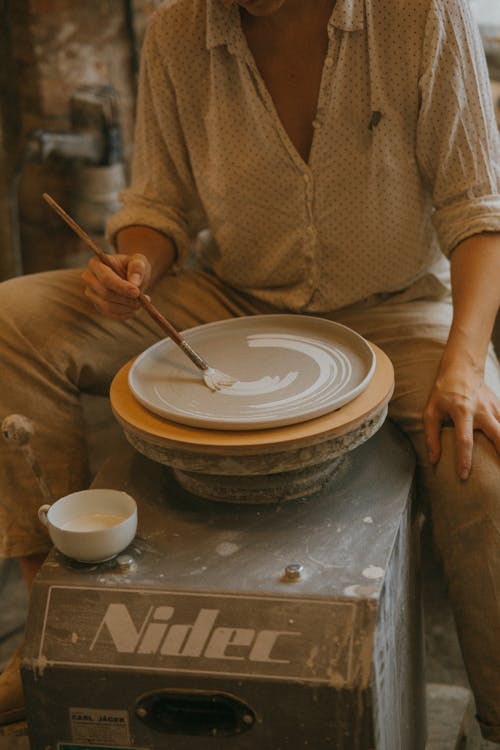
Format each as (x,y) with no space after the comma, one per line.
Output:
(289,368)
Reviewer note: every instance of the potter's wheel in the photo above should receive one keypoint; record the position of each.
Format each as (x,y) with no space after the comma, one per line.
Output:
(262,465)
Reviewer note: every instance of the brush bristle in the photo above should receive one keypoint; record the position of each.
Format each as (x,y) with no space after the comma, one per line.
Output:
(215,379)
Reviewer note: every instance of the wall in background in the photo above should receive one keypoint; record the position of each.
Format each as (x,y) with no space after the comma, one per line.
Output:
(54,47)
(486,11)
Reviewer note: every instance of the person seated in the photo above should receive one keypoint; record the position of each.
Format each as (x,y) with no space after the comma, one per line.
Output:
(344,157)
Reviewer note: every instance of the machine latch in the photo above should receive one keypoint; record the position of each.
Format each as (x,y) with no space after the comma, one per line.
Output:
(195,712)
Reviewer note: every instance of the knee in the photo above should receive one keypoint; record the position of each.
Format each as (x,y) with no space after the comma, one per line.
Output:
(459,504)
(14,294)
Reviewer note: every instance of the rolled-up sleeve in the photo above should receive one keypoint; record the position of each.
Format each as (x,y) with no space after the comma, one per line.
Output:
(458,145)
(161,193)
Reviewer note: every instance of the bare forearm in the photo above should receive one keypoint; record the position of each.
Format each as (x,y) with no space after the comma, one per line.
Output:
(158,249)
(475,275)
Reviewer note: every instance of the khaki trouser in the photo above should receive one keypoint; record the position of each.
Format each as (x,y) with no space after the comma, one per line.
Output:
(53,346)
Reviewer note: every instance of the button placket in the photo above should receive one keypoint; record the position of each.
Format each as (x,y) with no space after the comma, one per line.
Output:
(310,234)
(324,89)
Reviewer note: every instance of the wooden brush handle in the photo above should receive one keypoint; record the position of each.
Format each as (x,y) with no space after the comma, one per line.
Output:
(144,301)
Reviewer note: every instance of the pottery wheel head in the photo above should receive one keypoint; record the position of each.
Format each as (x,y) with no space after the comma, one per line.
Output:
(214,456)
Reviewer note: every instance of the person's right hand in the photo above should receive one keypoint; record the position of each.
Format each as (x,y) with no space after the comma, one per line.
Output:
(109,293)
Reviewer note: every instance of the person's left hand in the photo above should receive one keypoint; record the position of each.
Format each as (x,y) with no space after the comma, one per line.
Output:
(460,396)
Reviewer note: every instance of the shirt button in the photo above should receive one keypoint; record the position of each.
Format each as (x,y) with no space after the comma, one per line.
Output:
(316,123)
(329,62)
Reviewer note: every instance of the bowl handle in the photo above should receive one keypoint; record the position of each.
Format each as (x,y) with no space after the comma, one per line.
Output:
(42,514)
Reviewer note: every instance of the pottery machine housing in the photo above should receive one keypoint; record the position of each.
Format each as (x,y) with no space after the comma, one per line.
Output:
(282,625)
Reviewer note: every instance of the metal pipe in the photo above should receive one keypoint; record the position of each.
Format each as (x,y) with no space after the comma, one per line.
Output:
(87,146)
(94,145)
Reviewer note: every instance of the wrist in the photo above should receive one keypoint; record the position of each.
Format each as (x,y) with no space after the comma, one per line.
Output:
(462,359)
(158,249)
(467,345)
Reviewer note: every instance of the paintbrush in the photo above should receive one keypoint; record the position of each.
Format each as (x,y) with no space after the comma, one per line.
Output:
(214,379)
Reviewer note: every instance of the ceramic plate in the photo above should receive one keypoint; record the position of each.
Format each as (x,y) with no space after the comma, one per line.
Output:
(289,368)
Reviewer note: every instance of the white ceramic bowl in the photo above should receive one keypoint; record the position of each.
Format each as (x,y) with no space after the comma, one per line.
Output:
(91,525)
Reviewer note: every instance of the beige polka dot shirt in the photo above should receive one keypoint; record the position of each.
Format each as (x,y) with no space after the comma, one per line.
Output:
(404,164)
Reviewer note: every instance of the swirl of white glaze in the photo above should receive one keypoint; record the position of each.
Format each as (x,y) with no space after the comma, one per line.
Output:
(334,371)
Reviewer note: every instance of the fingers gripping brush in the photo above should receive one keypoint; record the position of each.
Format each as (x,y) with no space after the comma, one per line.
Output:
(214,379)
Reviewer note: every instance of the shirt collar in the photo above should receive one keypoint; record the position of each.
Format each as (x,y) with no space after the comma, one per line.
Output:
(348,15)
(223,23)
